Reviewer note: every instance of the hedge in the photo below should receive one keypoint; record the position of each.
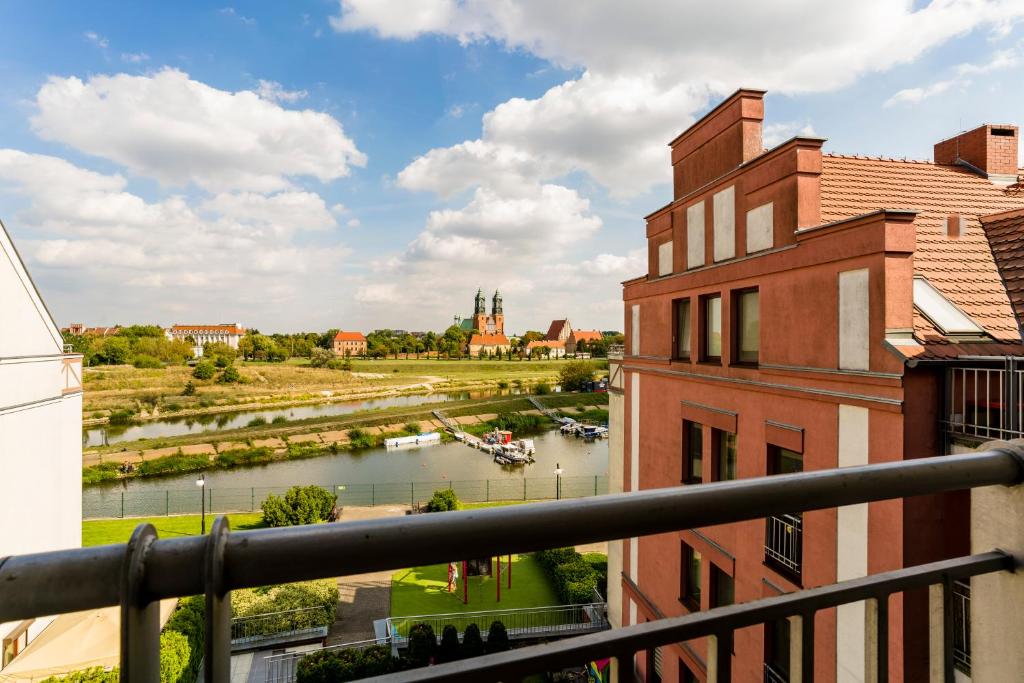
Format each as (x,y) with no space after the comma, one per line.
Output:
(338,666)
(574,578)
(300,505)
(322,593)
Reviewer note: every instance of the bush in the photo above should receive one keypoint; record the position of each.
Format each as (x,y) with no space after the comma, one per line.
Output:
(497,638)
(280,419)
(575,579)
(188,620)
(173,464)
(321,594)
(244,456)
(144,361)
(335,364)
(105,471)
(422,644)
(502,384)
(443,501)
(94,675)
(449,650)
(174,656)
(412,427)
(121,417)
(472,643)
(359,439)
(320,357)
(189,389)
(257,422)
(542,389)
(230,375)
(204,370)
(575,374)
(376,661)
(300,505)
(338,666)
(519,422)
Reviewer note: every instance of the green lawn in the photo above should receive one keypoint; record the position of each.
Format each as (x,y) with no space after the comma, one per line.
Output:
(423,590)
(105,531)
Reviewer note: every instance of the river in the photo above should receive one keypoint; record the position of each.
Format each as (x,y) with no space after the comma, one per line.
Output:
(371,477)
(104,435)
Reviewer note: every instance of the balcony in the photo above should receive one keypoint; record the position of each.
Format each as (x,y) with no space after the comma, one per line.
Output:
(985,403)
(962,626)
(773,675)
(147,569)
(784,543)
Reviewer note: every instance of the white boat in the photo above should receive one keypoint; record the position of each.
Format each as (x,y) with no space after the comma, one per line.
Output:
(593,432)
(526,446)
(414,439)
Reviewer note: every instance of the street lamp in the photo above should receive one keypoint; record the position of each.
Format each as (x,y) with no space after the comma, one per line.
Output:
(558,481)
(201,483)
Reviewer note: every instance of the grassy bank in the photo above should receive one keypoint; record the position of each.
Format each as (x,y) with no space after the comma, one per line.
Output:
(106,531)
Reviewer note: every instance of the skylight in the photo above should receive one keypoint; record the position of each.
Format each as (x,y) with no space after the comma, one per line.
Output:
(941,311)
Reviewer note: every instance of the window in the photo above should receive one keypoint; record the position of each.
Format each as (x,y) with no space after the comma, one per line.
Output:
(722,588)
(654,665)
(681,328)
(693,452)
(747,305)
(783,461)
(776,651)
(712,327)
(15,642)
(689,579)
(724,444)
(784,533)
(685,675)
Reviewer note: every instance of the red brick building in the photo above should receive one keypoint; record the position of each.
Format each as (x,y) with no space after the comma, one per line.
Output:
(807,311)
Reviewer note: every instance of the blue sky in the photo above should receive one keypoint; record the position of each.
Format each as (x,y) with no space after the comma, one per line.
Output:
(308,165)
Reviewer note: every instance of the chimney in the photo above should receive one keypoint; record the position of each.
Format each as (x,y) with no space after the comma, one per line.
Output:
(989,150)
(727,136)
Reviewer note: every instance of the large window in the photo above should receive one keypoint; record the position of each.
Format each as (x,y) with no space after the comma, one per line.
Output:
(747,325)
(681,328)
(783,461)
(724,444)
(722,588)
(711,327)
(689,578)
(776,651)
(784,534)
(693,452)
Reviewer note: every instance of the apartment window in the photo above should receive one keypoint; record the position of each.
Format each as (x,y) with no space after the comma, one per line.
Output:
(722,588)
(711,327)
(685,675)
(693,452)
(784,461)
(776,651)
(747,325)
(15,642)
(654,665)
(724,444)
(689,580)
(784,533)
(681,327)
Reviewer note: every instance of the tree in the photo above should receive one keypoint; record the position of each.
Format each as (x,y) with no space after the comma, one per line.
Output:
(230,375)
(114,350)
(449,650)
(326,340)
(443,501)
(531,335)
(300,505)
(497,638)
(472,643)
(575,374)
(422,644)
(204,370)
(190,389)
(320,357)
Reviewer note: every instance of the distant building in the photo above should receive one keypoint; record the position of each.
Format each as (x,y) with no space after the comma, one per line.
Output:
(80,330)
(480,321)
(486,344)
(40,435)
(558,331)
(556,349)
(226,333)
(349,344)
(581,336)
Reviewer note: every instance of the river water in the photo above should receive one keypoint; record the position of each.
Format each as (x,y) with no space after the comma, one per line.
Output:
(104,435)
(371,477)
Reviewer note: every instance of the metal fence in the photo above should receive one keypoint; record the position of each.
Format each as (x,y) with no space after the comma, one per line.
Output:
(784,542)
(985,403)
(281,668)
(519,623)
(962,626)
(112,503)
(279,625)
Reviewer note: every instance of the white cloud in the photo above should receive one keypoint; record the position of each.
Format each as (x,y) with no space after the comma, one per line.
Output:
(353,223)
(777,133)
(96,39)
(285,211)
(1003,59)
(230,12)
(273,91)
(178,131)
(915,95)
(134,57)
(456,111)
(379,293)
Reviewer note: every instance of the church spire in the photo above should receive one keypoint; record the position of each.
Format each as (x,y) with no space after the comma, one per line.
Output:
(496,303)
(481,304)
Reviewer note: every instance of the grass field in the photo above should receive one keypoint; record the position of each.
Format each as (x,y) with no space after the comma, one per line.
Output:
(423,590)
(106,531)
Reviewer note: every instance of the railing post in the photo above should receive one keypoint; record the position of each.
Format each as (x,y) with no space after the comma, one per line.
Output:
(412,494)
(122,504)
(140,616)
(876,640)
(167,503)
(720,657)
(627,667)
(937,648)
(217,646)
(796,654)
(996,617)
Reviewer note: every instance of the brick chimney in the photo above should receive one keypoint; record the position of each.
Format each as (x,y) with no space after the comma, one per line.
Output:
(727,136)
(989,150)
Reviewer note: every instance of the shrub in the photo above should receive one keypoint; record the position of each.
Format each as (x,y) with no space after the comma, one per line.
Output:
(94,675)
(338,666)
(412,427)
(443,501)
(335,364)
(105,471)
(173,464)
(519,422)
(204,370)
(449,650)
(422,644)
(575,579)
(187,620)
(257,422)
(359,439)
(189,389)
(575,374)
(280,419)
(502,384)
(320,357)
(147,362)
(543,388)
(121,417)
(497,638)
(321,594)
(244,456)
(300,505)
(230,375)
(172,407)
(376,661)
(472,643)
(174,656)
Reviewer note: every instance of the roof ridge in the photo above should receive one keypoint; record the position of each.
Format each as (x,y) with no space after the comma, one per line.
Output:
(869,157)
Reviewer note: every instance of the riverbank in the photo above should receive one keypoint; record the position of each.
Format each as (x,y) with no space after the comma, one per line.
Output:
(308,438)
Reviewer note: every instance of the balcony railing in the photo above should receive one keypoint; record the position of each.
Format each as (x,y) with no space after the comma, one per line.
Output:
(962,626)
(985,403)
(279,627)
(536,622)
(282,668)
(773,675)
(137,575)
(784,543)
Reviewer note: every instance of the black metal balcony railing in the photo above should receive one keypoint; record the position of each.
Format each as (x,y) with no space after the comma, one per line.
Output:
(773,675)
(138,574)
(962,626)
(784,543)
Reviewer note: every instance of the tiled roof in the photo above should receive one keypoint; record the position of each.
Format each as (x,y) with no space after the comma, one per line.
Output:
(551,344)
(586,335)
(349,336)
(488,340)
(961,268)
(556,329)
(223,329)
(1004,232)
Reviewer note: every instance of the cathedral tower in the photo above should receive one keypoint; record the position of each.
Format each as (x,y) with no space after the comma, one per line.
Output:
(497,314)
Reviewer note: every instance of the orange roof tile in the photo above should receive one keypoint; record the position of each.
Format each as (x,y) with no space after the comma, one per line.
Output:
(1004,231)
(551,344)
(586,335)
(488,340)
(226,329)
(961,268)
(349,336)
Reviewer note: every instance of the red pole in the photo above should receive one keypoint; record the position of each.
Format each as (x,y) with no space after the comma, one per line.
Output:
(510,571)
(498,582)
(465,584)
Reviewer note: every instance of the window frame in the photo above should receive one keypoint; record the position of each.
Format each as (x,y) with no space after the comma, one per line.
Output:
(689,427)
(737,327)
(676,336)
(717,441)
(688,555)
(705,331)
(716,576)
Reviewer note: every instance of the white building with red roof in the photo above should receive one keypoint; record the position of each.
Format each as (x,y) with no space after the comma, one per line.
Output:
(349,344)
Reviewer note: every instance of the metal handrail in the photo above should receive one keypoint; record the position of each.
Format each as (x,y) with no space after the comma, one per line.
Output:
(151,569)
(284,621)
(783,542)
(520,621)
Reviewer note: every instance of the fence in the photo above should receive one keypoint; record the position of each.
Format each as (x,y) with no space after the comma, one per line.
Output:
(281,668)
(107,504)
(283,626)
(530,622)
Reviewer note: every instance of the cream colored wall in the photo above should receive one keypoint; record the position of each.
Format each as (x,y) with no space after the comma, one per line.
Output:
(616,461)
(851,548)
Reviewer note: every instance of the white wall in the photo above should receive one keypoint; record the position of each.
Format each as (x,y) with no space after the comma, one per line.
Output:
(851,548)
(695,235)
(854,349)
(760,228)
(616,476)
(725,224)
(634,330)
(665,258)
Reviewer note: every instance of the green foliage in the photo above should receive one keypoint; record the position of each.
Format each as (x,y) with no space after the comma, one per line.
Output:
(189,390)
(175,654)
(337,364)
(321,594)
(412,427)
(575,579)
(542,389)
(449,649)
(502,384)
(497,638)
(187,620)
(319,358)
(230,375)
(575,374)
(300,505)
(360,439)
(519,422)
(257,422)
(147,362)
(259,347)
(278,420)
(422,644)
(96,474)
(204,370)
(96,674)
(244,456)
(173,464)
(339,666)
(219,353)
(121,417)
(472,643)
(443,501)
